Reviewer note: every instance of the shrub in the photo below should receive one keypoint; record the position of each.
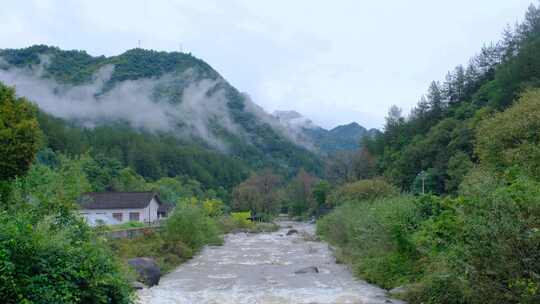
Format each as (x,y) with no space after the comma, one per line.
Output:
(213,207)
(483,247)
(49,263)
(166,254)
(242,219)
(191,226)
(20,135)
(375,238)
(128,225)
(510,138)
(185,232)
(364,190)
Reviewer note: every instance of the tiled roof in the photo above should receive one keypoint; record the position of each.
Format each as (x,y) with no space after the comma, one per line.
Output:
(117,200)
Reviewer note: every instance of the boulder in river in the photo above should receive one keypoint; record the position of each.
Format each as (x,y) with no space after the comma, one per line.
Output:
(147,270)
(292,231)
(310,269)
(137,285)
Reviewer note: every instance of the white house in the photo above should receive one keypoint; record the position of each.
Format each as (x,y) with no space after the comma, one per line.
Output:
(119,207)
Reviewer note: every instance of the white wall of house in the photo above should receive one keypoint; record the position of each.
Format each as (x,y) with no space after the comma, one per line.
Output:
(148,214)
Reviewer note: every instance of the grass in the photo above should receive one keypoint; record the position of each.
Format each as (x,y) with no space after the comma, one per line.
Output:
(128,225)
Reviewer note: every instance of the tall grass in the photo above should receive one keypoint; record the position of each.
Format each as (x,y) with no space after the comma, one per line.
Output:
(374,237)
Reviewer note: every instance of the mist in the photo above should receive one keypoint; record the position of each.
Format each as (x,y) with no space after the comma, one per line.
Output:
(131,101)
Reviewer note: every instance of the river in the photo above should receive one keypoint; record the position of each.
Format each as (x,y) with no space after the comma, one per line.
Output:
(260,269)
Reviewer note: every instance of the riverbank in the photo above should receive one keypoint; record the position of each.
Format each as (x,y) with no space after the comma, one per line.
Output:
(278,267)
(176,242)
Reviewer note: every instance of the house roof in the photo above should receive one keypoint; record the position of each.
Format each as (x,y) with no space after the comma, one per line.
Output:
(117,200)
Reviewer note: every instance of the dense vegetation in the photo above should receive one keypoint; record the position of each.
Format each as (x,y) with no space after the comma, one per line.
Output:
(444,203)
(150,155)
(468,155)
(255,145)
(47,254)
(438,136)
(341,138)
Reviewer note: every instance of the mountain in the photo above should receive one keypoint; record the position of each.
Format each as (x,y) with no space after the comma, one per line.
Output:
(163,113)
(294,119)
(341,138)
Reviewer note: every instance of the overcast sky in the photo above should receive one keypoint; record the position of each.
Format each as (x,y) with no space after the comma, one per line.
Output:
(333,61)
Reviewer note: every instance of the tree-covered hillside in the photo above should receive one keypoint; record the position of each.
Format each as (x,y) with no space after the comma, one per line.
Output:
(202,126)
(341,138)
(437,137)
(464,227)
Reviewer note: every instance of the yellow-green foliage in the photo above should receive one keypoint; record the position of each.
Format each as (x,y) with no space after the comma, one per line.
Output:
(241,219)
(511,138)
(188,202)
(363,190)
(213,207)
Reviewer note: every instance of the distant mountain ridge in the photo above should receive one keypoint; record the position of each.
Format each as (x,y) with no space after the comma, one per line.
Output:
(159,93)
(341,138)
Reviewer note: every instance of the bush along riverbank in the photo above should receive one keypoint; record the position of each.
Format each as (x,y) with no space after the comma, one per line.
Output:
(479,247)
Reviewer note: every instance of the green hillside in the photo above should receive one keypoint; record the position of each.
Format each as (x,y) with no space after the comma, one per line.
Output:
(341,138)
(251,143)
(439,134)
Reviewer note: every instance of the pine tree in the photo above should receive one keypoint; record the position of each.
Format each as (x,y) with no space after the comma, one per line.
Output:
(435,100)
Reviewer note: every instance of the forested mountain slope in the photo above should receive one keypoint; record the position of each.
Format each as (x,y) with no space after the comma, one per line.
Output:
(341,138)
(437,137)
(164,114)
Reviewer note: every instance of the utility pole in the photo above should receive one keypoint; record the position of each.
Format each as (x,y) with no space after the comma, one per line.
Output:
(423,182)
(139,44)
(422,175)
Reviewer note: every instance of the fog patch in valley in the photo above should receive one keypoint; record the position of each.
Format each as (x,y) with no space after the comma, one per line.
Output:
(131,101)
(202,103)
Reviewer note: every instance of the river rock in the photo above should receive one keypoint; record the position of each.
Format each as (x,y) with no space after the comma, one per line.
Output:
(137,285)
(310,269)
(292,231)
(399,290)
(147,270)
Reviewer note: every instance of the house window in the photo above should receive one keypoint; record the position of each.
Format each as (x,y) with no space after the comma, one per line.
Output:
(134,216)
(117,216)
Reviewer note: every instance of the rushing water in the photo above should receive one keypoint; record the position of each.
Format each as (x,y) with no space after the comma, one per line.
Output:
(260,268)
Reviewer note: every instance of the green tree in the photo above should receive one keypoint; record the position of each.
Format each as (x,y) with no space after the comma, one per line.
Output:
(320,193)
(129,180)
(511,138)
(299,194)
(19,135)
(258,194)
(458,167)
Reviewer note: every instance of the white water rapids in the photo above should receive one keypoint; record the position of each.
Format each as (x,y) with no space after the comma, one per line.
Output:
(260,269)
